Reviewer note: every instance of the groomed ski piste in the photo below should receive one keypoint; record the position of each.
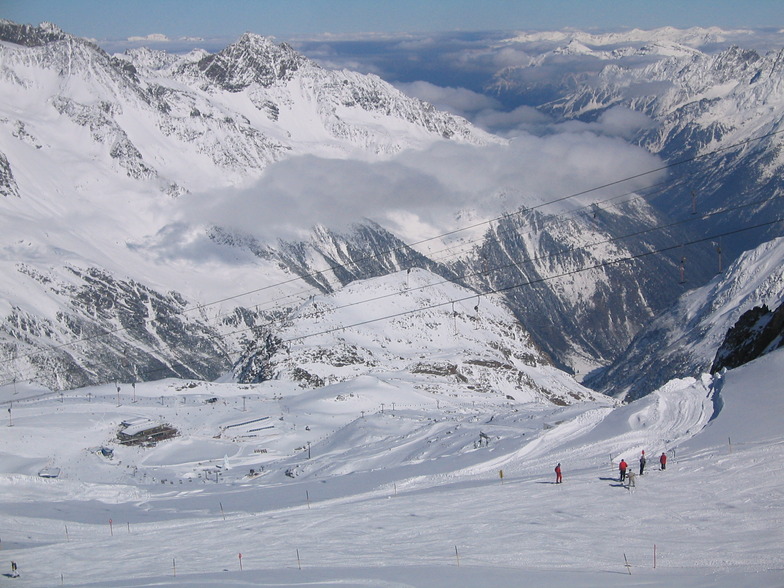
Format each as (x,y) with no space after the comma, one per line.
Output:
(347,491)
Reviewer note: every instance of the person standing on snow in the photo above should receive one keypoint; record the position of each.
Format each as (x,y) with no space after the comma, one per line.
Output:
(558,477)
(663,461)
(14,570)
(622,468)
(642,462)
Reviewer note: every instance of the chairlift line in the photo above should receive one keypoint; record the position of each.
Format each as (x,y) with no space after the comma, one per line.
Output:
(543,279)
(487,271)
(706,215)
(512,263)
(469,227)
(661,187)
(506,214)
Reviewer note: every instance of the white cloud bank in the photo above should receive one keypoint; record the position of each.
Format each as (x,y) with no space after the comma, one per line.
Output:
(426,191)
(153,37)
(460,101)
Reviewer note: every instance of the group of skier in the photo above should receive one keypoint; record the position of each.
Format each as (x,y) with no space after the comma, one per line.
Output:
(622,468)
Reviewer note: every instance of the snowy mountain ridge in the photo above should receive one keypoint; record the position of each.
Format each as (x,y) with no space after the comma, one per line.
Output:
(694,36)
(411,323)
(717,114)
(222,109)
(92,142)
(716,90)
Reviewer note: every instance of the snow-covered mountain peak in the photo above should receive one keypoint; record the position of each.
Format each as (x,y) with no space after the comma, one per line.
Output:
(30,36)
(153,115)
(144,58)
(574,47)
(253,59)
(666,49)
(150,115)
(50,27)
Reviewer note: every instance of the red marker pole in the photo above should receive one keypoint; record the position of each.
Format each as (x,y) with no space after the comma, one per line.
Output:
(240,555)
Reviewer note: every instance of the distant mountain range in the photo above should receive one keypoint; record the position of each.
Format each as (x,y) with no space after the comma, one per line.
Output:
(717,115)
(95,148)
(91,143)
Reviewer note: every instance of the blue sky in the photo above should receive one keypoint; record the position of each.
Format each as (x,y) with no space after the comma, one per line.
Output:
(108,19)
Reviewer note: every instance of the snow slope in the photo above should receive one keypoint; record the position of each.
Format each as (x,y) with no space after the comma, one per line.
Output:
(403,496)
(412,324)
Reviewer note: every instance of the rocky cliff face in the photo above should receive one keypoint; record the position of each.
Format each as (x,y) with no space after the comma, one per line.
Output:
(8,186)
(31,36)
(581,289)
(252,60)
(757,332)
(105,329)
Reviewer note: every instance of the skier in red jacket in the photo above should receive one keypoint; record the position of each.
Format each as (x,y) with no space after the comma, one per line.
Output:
(663,461)
(558,477)
(622,468)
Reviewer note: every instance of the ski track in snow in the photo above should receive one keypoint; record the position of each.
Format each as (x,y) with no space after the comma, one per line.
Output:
(397,499)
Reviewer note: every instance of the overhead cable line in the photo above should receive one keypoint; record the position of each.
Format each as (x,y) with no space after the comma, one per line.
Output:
(490,291)
(403,246)
(533,282)
(476,225)
(632,195)
(561,252)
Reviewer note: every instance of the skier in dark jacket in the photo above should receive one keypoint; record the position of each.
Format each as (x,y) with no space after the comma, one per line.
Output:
(622,468)
(663,461)
(558,477)
(642,462)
